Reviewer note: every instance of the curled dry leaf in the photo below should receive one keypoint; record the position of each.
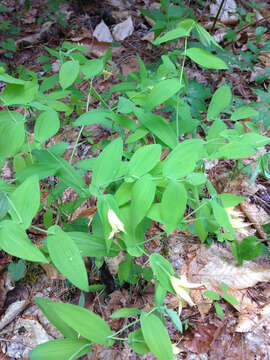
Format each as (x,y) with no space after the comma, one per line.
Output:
(256,215)
(12,311)
(102,33)
(123,30)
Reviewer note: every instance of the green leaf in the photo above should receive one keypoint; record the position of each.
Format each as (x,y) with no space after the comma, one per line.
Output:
(93,246)
(67,258)
(64,349)
(95,116)
(205,38)
(107,166)
(249,248)
(15,94)
(54,318)
(16,270)
(144,160)
(220,100)
(25,201)
(219,310)
(4,205)
(92,68)
(123,193)
(11,80)
(173,205)
(83,321)
(183,29)
(40,169)
(104,204)
(156,337)
(161,92)
(158,126)
(14,241)
(243,112)
(125,312)
(221,216)
(224,287)
(211,295)
(163,270)
(175,319)
(133,239)
(95,288)
(68,73)
(142,196)
(230,298)
(48,218)
(139,133)
(47,125)
(230,200)
(11,133)
(137,342)
(206,59)
(182,160)
(125,106)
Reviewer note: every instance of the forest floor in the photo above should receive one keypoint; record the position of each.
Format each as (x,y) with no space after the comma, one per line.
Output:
(244,331)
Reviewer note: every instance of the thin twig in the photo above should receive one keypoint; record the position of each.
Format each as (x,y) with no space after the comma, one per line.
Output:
(217,16)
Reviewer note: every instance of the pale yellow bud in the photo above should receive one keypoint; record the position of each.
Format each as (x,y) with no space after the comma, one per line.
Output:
(115,223)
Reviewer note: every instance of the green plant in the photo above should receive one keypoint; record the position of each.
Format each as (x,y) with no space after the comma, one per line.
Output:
(53,13)
(210,294)
(131,183)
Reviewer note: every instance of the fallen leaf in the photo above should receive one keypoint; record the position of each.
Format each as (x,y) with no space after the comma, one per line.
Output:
(102,33)
(123,30)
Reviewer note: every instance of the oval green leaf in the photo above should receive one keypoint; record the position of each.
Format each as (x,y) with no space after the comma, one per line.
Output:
(85,322)
(67,258)
(206,59)
(64,349)
(68,73)
(163,270)
(142,197)
(47,125)
(144,160)
(173,205)
(156,337)
(137,342)
(220,100)
(24,202)
(14,241)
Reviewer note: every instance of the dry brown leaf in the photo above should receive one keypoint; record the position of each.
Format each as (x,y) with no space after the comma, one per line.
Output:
(102,33)
(52,272)
(123,30)
(256,215)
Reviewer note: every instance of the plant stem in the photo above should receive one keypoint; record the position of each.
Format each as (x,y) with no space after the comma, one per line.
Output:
(180,80)
(124,328)
(217,16)
(81,130)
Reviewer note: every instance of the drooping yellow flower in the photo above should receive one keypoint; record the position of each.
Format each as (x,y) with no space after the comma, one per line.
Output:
(115,223)
(181,287)
(237,221)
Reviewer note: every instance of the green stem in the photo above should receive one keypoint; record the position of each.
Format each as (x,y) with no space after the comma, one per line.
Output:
(42,230)
(81,130)
(124,328)
(180,80)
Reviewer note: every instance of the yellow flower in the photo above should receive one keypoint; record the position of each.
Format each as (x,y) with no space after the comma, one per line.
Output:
(115,223)
(107,74)
(181,287)
(236,220)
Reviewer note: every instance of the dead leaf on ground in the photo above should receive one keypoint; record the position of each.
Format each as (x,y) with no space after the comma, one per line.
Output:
(102,33)
(123,30)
